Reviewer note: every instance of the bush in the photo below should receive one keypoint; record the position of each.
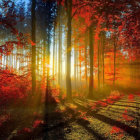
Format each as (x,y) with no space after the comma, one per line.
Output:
(13,88)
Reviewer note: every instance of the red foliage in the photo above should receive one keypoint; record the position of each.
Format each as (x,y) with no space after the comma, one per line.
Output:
(109,101)
(9,19)
(37,123)
(24,130)
(131,97)
(93,107)
(126,117)
(115,130)
(101,103)
(114,96)
(32,43)
(13,88)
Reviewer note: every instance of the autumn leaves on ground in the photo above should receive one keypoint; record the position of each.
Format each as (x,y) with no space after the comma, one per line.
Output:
(69,69)
(116,117)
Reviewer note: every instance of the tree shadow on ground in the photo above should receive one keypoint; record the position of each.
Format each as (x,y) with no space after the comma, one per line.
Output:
(84,124)
(65,123)
(6,129)
(128,129)
(126,106)
(134,102)
(58,124)
(52,118)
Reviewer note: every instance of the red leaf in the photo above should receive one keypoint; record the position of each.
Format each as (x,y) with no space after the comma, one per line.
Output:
(37,123)
(32,43)
(131,97)
(115,130)
(126,117)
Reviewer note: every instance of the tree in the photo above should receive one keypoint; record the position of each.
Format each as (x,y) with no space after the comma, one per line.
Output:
(60,44)
(91,61)
(33,35)
(68,74)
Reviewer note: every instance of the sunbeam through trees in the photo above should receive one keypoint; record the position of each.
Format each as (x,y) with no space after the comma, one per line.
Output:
(69,69)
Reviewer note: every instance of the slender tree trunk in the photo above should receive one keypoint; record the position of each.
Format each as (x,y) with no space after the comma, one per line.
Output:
(7,62)
(86,59)
(56,56)
(68,75)
(114,61)
(38,59)
(75,63)
(48,73)
(91,62)
(33,33)
(53,50)
(77,70)
(60,48)
(80,52)
(98,64)
(44,59)
(49,101)
(103,43)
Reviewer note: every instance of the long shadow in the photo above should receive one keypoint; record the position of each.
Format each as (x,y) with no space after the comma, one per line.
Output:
(84,108)
(128,102)
(51,119)
(125,106)
(51,131)
(85,123)
(6,129)
(112,110)
(53,126)
(10,126)
(63,123)
(81,122)
(131,131)
(56,122)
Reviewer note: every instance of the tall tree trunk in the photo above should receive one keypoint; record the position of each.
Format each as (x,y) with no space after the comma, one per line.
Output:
(80,66)
(103,43)
(68,74)
(49,101)
(53,50)
(44,59)
(60,48)
(98,64)
(75,63)
(77,70)
(33,33)
(38,64)
(56,56)
(86,58)
(91,61)
(114,61)
(48,72)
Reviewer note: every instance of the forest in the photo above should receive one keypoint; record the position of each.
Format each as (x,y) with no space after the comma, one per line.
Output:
(69,69)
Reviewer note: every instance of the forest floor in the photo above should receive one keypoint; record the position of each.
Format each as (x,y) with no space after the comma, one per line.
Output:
(78,120)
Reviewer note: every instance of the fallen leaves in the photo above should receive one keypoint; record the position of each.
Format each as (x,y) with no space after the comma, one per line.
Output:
(115,130)
(24,130)
(126,117)
(37,123)
(131,97)
(105,102)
